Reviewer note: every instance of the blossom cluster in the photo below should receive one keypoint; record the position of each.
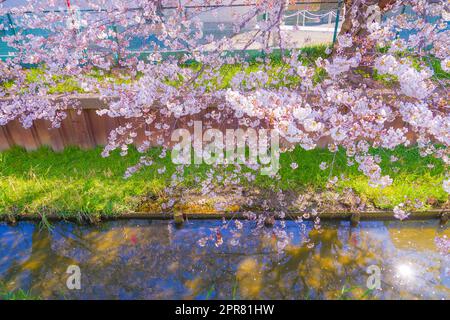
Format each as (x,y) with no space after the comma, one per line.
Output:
(155,92)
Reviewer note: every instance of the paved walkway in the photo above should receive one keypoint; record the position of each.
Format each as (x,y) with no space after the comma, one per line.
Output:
(298,39)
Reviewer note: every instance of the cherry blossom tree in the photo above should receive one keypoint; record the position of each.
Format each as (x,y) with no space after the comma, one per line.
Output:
(157,91)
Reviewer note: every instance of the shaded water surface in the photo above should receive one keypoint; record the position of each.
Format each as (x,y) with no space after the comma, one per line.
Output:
(154,260)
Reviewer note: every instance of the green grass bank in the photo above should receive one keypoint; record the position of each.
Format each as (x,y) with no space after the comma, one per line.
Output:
(82,182)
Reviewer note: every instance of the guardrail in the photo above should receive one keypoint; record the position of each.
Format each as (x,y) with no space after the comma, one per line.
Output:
(310,21)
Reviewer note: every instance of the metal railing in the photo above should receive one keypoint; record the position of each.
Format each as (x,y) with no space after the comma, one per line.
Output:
(303,19)
(312,21)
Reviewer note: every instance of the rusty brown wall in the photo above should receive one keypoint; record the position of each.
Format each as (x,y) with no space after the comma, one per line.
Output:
(85,130)
(88,130)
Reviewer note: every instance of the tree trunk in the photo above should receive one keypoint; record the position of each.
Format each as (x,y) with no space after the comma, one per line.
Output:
(356,10)
(360,7)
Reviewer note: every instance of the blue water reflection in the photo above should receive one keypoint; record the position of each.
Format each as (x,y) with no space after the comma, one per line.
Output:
(154,260)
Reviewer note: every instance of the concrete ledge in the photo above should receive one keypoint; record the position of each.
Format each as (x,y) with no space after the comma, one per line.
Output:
(351,216)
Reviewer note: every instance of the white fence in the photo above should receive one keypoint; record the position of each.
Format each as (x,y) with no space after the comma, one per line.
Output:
(313,21)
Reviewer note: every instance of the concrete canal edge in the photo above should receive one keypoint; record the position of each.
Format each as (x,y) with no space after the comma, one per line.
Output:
(180,217)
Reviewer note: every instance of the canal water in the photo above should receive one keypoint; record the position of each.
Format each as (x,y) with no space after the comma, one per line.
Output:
(155,260)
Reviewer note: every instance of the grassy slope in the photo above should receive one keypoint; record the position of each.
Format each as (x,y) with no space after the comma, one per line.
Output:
(274,66)
(226,72)
(83,182)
